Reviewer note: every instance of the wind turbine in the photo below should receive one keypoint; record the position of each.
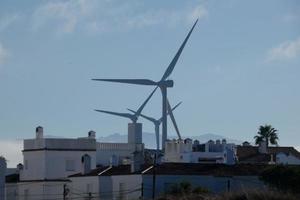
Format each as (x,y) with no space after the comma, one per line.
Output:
(134,128)
(163,84)
(156,123)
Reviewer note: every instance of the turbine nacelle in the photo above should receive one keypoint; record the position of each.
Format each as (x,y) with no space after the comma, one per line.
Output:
(166,83)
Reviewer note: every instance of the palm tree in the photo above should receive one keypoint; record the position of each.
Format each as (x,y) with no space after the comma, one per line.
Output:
(268,134)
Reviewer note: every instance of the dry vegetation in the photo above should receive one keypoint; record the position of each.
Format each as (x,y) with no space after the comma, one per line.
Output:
(245,195)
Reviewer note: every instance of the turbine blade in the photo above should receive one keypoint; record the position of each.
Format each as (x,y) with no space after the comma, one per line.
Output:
(126,115)
(176,105)
(144,116)
(129,81)
(138,112)
(173,120)
(160,120)
(177,55)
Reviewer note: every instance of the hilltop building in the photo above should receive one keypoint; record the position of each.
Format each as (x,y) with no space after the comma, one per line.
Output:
(48,162)
(187,151)
(262,154)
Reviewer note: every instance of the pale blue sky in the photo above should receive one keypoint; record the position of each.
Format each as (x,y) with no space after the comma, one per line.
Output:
(240,68)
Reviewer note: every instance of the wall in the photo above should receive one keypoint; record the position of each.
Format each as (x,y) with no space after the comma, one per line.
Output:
(52,164)
(34,165)
(41,190)
(109,186)
(106,150)
(11,191)
(2,177)
(81,186)
(57,143)
(214,184)
(56,162)
(282,158)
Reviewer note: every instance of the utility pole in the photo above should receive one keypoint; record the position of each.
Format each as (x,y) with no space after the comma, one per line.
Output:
(142,191)
(154,177)
(65,192)
(228,185)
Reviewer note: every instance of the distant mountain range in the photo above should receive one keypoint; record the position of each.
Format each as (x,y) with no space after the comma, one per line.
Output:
(149,138)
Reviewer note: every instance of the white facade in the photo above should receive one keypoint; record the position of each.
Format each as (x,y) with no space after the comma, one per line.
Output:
(49,158)
(82,187)
(40,190)
(115,187)
(120,187)
(282,158)
(47,162)
(122,152)
(11,191)
(181,151)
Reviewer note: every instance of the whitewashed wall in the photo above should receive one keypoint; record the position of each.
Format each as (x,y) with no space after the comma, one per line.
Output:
(11,191)
(115,187)
(81,186)
(282,158)
(40,190)
(52,164)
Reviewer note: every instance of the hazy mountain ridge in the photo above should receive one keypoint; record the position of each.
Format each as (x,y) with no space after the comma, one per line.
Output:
(149,138)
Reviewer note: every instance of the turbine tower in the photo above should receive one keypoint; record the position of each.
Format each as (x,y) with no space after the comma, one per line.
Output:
(134,128)
(156,123)
(163,84)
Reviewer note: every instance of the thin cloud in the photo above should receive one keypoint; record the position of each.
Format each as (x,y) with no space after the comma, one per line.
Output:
(3,54)
(285,51)
(198,12)
(104,16)
(8,20)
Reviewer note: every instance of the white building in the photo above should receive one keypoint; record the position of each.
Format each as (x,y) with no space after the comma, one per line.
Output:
(184,151)
(120,153)
(48,162)
(107,183)
(52,158)
(262,154)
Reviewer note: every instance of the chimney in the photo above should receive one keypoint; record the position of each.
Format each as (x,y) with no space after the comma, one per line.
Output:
(39,132)
(92,134)
(223,141)
(135,133)
(262,147)
(246,144)
(20,167)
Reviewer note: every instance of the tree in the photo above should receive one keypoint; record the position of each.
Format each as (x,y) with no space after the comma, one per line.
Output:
(268,134)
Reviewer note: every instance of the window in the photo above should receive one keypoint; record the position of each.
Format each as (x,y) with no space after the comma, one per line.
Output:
(70,165)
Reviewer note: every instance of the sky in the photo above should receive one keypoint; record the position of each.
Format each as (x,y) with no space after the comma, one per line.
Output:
(239,70)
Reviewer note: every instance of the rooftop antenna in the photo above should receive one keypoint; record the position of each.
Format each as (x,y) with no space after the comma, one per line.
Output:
(163,84)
